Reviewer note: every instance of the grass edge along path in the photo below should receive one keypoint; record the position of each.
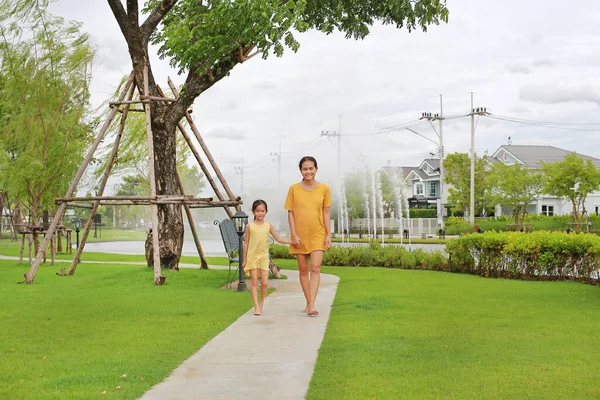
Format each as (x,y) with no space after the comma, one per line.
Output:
(106,331)
(400,334)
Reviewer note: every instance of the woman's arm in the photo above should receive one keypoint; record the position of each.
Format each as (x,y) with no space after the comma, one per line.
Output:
(245,249)
(327,222)
(295,239)
(279,238)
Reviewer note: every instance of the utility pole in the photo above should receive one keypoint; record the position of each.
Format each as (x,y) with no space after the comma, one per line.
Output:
(278,155)
(472,191)
(439,117)
(482,111)
(339,160)
(240,170)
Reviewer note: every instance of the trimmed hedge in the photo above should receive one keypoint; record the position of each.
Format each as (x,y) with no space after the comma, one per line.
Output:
(539,255)
(375,255)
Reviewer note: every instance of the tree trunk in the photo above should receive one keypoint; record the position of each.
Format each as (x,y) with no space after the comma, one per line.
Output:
(170,218)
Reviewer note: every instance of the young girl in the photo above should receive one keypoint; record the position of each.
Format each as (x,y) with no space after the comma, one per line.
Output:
(256,252)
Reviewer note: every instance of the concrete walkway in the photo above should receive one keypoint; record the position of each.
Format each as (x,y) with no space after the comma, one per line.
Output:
(267,357)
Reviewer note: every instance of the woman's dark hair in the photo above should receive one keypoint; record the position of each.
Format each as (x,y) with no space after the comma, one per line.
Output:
(307,158)
(258,203)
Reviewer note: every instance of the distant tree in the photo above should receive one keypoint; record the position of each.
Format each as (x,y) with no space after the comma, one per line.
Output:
(45,64)
(458,176)
(515,186)
(572,179)
(387,194)
(355,184)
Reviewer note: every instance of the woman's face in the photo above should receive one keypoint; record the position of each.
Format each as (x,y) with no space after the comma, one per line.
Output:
(308,170)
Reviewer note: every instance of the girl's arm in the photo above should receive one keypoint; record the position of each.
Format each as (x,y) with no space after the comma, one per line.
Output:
(245,249)
(279,238)
(327,221)
(295,239)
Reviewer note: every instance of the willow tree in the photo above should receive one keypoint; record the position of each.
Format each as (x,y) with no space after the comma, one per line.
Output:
(45,68)
(206,39)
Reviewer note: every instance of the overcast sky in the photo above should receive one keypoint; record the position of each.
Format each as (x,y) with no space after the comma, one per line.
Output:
(534,60)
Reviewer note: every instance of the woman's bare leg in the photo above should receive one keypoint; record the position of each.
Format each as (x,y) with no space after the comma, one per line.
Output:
(304,279)
(264,281)
(316,258)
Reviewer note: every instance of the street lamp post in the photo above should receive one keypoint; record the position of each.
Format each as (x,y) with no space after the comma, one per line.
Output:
(240,219)
(77,226)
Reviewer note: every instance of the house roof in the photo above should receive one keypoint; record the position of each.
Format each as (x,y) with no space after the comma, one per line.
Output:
(531,156)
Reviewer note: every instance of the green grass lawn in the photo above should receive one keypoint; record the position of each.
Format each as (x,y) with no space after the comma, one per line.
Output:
(76,337)
(397,334)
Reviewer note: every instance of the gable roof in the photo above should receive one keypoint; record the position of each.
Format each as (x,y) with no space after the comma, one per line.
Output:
(531,156)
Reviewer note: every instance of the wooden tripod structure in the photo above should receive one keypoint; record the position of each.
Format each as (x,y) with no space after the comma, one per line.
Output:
(123,106)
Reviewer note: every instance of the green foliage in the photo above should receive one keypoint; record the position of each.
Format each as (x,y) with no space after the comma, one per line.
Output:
(515,186)
(573,179)
(203,35)
(458,167)
(538,255)
(375,255)
(45,69)
(423,213)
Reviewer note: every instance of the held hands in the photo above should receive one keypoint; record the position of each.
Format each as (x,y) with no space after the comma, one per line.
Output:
(296,241)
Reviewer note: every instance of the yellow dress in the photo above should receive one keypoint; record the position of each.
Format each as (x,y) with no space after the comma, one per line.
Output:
(307,206)
(258,246)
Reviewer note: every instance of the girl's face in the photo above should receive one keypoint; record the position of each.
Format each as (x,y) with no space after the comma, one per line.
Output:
(259,212)
(308,170)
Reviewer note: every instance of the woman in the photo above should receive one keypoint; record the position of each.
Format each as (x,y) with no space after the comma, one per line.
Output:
(308,204)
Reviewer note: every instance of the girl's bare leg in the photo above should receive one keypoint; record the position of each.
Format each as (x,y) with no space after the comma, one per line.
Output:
(264,281)
(254,290)
(316,258)
(304,279)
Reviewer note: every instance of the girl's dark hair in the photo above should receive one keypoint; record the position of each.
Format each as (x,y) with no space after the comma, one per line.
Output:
(258,203)
(307,158)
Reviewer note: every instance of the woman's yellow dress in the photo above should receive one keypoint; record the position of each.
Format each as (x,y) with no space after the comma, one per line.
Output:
(258,246)
(307,207)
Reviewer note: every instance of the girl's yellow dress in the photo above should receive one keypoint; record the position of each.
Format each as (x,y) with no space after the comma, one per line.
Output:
(307,206)
(258,246)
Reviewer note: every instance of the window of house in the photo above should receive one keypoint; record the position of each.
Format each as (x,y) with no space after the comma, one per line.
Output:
(432,189)
(419,188)
(597,209)
(548,210)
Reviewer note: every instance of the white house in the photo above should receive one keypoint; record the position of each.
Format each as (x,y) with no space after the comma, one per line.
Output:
(531,157)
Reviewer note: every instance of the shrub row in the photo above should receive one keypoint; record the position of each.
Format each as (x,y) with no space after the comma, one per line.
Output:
(376,255)
(539,255)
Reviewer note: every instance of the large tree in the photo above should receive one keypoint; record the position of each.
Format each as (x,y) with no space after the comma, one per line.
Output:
(45,65)
(515,186)
(206,39)
(573,179)
(458,176)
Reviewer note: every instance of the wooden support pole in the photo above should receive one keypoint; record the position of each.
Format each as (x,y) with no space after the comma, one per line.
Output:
(29,276)
(188,212)
(158,278)
(22,248)
(209,156)
(105,176)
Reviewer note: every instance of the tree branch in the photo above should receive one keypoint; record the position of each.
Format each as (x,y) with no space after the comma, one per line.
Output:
(120,15)
(133,14)
(155,17)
